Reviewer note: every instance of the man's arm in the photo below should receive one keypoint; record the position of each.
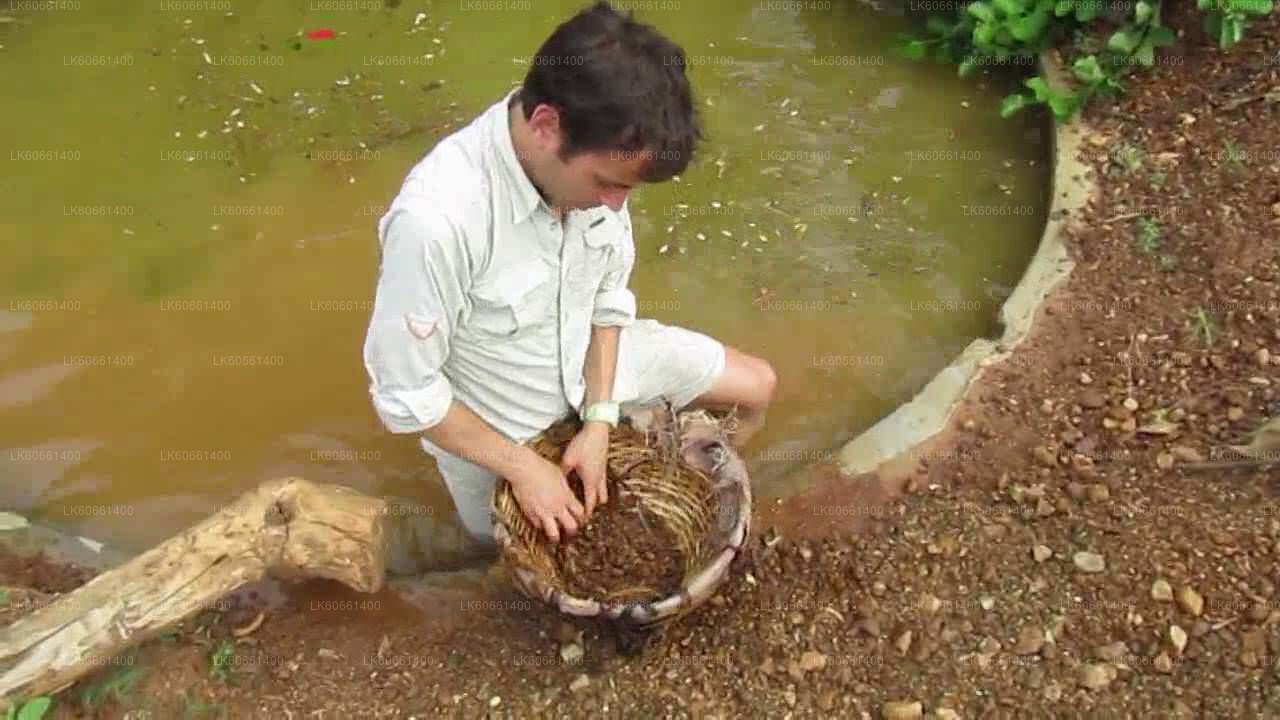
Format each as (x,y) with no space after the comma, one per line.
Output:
(421,292)
(602,363)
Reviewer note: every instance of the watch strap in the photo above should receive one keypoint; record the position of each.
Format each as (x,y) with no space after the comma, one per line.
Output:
(602,412)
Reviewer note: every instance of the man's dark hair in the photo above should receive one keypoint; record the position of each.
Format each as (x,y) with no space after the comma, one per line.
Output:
(618,84)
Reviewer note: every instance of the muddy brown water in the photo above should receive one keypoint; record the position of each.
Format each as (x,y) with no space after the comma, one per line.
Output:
(187,248)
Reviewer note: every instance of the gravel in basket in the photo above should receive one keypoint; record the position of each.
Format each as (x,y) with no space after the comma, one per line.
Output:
(678,514)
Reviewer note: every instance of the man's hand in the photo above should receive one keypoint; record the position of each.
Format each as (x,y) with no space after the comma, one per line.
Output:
(586,454)
(544,495)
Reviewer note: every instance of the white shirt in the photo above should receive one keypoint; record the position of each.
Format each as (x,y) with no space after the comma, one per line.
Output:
(483,296)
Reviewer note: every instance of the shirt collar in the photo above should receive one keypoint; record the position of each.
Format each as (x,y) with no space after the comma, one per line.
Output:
(524,197)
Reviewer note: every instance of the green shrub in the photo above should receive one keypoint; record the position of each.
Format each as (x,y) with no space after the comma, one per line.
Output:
(1015,32)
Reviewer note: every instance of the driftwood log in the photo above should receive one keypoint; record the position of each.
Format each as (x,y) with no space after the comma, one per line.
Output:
(287,528)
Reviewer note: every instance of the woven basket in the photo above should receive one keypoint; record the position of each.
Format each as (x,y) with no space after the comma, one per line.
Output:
(685,474)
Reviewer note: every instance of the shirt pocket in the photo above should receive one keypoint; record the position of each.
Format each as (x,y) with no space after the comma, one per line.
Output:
(514,302)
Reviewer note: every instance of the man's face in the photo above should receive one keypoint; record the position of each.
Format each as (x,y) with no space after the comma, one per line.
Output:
(586,179)
(591,179)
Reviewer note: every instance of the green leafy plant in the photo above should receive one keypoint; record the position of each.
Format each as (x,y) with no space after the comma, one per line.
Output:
(221,660)
(1015,32)
(1226,20)
(1148,234)
(1233,154)
(1128,158)
(33,709)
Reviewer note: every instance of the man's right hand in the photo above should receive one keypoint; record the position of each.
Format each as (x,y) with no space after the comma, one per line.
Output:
(544,495)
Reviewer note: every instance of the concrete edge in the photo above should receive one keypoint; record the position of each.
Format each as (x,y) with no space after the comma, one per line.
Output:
(914,423)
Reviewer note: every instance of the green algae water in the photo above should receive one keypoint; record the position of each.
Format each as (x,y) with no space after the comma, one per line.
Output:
(188,253)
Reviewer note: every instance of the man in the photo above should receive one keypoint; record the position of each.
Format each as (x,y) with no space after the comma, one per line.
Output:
(502,302)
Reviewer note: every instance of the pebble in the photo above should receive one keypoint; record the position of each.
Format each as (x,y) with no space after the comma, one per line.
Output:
(1111,652)
(1089,562)
(1259,612)
(944,713)
(1130,404)
(1235,413)
(1095,676)
(1099,492)
(1177,638)
(1186,454)
(571,653)
(930,604)
(812,660)
(1045,456)
(1190,600)
(327,654)
(580,683)
(902,710)
(1040,553)
(1163,663)
(1030,640)
(1161,591)
(1077,490)
(903,643)
(1086,378)
(1164,461)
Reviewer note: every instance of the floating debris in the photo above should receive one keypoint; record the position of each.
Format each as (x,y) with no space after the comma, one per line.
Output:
(726,233)
(254,86)
(700,236)
(663,250)
(208,60)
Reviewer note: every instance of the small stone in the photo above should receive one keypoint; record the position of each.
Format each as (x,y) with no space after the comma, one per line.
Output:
(1077,491)
(1177,638)
(1095,676)
(1263,356)
(1040,553)
(812,660)
(580,683)
(1111,652)
(930,604)
(987,602)
(1089,562)
(1086,378)
(1186,454)
(1254,641)
(1190,600)
(903,643)
(1163,663)
(1164,461)
(1259,612)
(878,588)
(327,654)
(1235,413)
(902,710)
(1044,508)
(1130,404)
(1161,591)
(1030,640)
(571,653)
(1053,692)
(945,713)
(1099,492)
(1249,659)
(1045,456)
(495,701)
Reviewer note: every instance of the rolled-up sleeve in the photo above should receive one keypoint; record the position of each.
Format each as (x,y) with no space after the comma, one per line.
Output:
(615,304)
(421,289)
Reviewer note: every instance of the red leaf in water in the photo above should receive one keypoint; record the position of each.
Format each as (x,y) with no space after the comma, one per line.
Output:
(322,34)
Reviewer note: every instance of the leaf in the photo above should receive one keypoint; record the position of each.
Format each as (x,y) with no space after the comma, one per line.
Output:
(968,66)
(1088,71)
(1040,87)
(1206,4)
(982,11)
(1031,27)
(1234,26)
(1010,8)
(1124,41)
(1012,104)
(1064,105)
(983,35)
(1142,12)
(35,709)
(1063,7)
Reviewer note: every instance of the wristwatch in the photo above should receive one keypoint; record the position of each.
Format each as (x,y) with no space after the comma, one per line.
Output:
(602,412)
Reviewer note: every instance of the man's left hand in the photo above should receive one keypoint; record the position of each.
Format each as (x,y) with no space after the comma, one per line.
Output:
(586,454)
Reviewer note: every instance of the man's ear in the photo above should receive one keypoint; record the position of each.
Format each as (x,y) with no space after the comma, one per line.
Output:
(545,123)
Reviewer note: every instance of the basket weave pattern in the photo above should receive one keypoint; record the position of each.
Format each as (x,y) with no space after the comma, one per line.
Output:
(684,475)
